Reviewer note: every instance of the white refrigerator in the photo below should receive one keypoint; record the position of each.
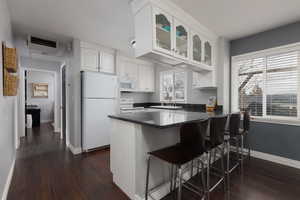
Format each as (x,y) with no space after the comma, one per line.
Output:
(99,98)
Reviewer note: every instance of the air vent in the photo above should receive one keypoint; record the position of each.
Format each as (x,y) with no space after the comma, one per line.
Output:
(43,42)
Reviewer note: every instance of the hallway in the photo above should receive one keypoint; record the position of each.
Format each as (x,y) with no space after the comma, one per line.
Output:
(46,170)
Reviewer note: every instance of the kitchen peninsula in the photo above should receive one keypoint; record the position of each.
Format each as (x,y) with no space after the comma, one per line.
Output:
(135,134)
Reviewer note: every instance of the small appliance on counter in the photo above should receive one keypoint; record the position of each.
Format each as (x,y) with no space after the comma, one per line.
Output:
(211,104)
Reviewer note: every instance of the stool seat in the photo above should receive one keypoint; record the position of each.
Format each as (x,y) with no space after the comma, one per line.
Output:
(178,154)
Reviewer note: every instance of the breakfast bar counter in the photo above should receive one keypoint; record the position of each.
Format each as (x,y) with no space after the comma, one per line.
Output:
(133,135)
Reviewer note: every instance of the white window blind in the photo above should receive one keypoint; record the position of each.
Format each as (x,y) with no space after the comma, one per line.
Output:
(268,85)
(251,85)
(281,84)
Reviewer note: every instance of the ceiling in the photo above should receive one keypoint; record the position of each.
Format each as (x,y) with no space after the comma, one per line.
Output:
(234,19)
(107,22)
(110,22)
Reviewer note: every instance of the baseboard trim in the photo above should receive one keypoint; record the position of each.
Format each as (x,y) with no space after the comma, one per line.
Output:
(273,158)
(75,150)
(8,180)
(276,159)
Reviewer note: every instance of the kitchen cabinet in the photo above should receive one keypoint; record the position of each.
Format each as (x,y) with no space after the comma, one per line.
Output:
(207,53)
(146,78)
(97,58)
(204,80)
(163,31)
(163,37)
(89,59)
(136,75)
(128,76)
(196,51)
(107,62)
(181,40)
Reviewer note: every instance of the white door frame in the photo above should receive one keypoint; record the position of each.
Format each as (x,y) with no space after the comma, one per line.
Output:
(57,112)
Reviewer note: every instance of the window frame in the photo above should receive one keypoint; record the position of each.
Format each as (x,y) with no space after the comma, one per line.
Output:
(258,54)
(185,86)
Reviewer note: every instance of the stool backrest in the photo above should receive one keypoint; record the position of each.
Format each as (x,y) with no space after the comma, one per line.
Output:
(217,129)
(234,123)
(246,121)
(193,134)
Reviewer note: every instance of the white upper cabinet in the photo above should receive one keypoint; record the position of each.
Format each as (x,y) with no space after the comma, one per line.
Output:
(167,34)
(207,53)
(128,76)
(146,78)
(162,29)
(135,75)
(181,40)
(97,58)
(107,62)
(89,59)
(196,46)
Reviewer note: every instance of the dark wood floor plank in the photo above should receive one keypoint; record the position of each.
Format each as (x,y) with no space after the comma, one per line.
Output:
(46,170)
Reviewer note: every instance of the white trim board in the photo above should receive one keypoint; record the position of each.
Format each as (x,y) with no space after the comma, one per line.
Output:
(75,150)
(276,159)
(8,181)
(272,158)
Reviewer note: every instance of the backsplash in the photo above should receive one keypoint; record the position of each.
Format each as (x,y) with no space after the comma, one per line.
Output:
(186,107)
(137,97)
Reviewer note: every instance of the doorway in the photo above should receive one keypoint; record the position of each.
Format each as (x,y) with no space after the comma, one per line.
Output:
(40,98)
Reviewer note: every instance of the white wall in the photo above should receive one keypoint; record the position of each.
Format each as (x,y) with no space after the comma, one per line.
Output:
(223,73)
(7,108)
(74,100)
(46,104)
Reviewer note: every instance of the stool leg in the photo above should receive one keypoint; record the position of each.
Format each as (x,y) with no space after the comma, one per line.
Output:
(228,163)
(147,178)
(207,176)
(180,183)
(171,178)
(223,167)
(242,152)
(192,166)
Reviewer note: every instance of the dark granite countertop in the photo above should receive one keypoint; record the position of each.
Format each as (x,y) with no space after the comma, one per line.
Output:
(164,118)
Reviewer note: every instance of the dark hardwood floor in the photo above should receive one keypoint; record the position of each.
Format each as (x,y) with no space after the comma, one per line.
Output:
(46,170)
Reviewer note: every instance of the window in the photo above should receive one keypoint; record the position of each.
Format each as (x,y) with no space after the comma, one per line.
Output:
(267,83)
(173,85)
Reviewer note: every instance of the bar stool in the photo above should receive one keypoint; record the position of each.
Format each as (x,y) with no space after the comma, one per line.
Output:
(232,134)
(191,146)
(213,143)
(244,133)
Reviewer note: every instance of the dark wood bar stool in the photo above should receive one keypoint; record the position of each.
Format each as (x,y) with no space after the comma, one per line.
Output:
(215,143)
(191,146)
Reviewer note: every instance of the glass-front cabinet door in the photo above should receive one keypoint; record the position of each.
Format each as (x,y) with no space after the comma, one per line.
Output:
(163,29)
(181,41)
(207,53)
(196,48)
